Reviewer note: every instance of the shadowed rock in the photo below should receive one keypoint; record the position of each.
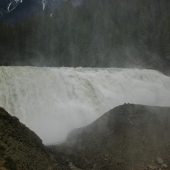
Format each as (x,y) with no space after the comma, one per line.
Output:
(125,138)
(22,149)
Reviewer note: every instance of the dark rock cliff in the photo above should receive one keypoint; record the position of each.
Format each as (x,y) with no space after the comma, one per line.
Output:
(22,149)
(125,138)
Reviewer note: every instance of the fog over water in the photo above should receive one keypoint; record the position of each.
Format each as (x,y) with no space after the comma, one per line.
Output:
(54,101)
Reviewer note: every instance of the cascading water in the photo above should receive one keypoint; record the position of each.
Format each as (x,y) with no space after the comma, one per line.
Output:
(53,101)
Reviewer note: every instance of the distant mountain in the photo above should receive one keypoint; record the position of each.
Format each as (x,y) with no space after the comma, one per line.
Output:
(125,138)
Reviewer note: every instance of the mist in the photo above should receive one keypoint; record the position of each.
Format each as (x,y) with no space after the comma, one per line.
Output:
(54,101)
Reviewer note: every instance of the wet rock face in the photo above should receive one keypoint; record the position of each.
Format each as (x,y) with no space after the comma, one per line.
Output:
(20,148)
(127,137)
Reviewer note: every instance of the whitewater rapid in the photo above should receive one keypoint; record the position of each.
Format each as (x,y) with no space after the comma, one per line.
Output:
(53,101)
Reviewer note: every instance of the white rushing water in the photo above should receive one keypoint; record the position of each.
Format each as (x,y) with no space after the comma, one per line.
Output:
(53,101)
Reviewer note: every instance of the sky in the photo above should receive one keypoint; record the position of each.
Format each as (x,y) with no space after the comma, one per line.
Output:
(27,8)
(22,11)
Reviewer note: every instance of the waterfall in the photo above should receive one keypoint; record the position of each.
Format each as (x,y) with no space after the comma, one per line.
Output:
(54,101)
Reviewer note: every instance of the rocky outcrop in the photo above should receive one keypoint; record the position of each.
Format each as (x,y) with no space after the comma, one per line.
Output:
(22,149)
(125,138)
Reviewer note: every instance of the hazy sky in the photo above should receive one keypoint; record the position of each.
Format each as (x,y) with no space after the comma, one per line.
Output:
(28,6)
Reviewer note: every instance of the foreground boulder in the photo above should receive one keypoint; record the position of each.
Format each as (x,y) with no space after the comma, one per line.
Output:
(129,137)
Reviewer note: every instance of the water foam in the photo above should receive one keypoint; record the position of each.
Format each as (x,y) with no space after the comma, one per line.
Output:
(53,101)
